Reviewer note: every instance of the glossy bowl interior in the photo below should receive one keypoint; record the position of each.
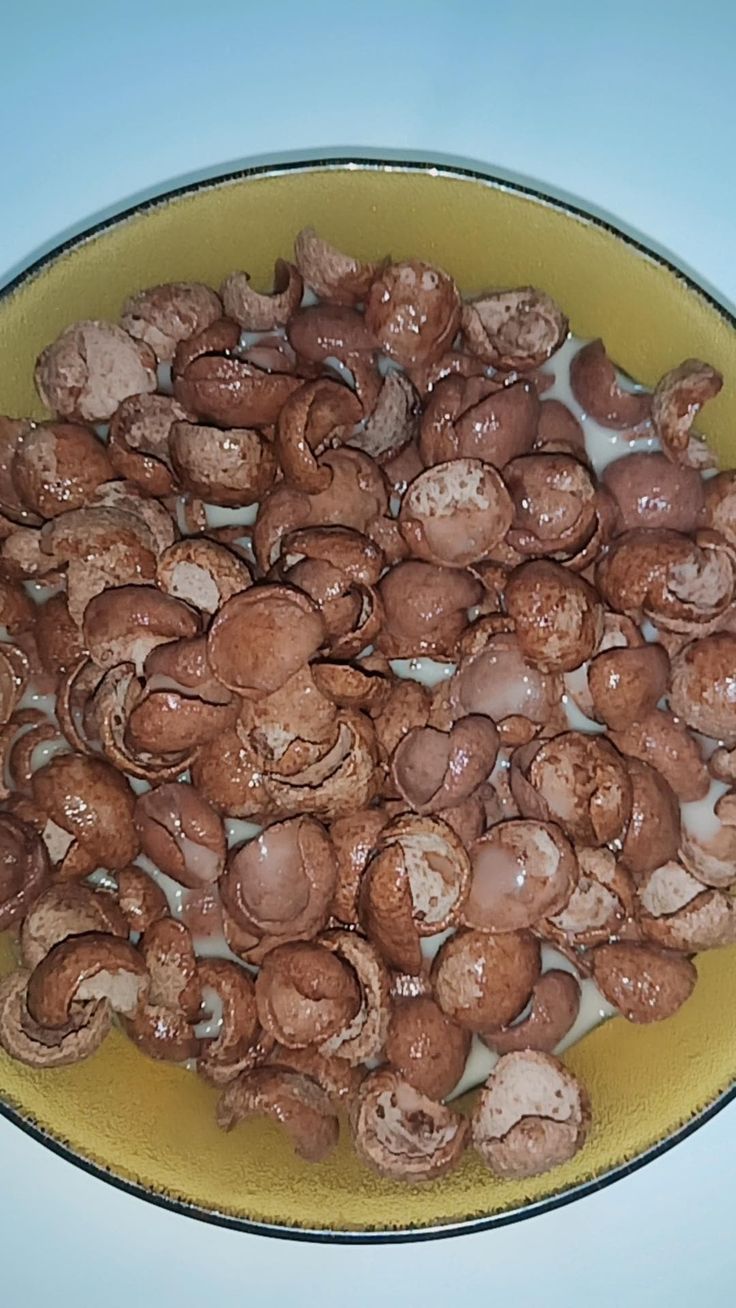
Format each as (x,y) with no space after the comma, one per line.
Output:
(151,1126)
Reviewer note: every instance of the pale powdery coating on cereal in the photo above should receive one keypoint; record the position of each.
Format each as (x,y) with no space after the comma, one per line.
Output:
(443,495)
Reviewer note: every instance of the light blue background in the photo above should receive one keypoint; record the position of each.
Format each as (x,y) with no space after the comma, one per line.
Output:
(629,106)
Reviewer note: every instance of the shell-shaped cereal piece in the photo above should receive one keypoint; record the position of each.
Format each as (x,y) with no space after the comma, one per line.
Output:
(703,692)
(497,680)
(20,760)
(175,718)
(676,911)
(282,883)
(181,833)
(162,316)
(28,1042)
(202,912)
(392,424)
(202,573)
(522,871)
(364,1036)
(664,742)
(234,467)
(12,431)
(555,1004)
(722,764)
(644,983)
(454,513)
(75,700)
(352,612)
(386,911)
(141,899)
(168,952)
(558,617)
(425,608)
(102,546)
(153,519)
(600,906)
(116,698)
(413,310)
(346,775)
(24,868)
(354,839)
(351,686)
(138,442)
(227,773)
(124,623)
(90,368)
(517,329)
(251,948)
(651,491)
(531,1115)
(421,861)
(677,400)
(407,708)
(338,1078)
(403,1134)
(720,504)
(653,834)
(320,413)
(597,389)
(228,392)
(234,989)
(402,468)
(301,1106)
(579,781)
(15,672)
(426,1047)
(59,639)
(475,418)
(484,981)
(305,994)
(679,583)
(23,555)
(58,466)
(356,496)
(261,637)
(556,505)
(95,965)
(162,1033)
(292,728)
(67,909)
(326,331)
(559,431)
(334,276)
(711,854)
(433,770)
(258,312)
(349,551)
(468,818)
(453,363)
(627,684)
(92,802)
(619,633)
(220,338)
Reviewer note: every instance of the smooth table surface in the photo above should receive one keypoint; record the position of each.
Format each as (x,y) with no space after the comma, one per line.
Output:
(626,107)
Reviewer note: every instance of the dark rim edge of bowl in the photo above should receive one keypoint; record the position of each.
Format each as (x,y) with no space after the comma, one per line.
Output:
(467,1226)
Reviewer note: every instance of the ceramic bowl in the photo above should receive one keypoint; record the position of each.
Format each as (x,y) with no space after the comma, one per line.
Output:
(151,1127)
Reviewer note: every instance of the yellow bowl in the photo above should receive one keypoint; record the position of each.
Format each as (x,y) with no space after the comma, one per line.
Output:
(150,1127)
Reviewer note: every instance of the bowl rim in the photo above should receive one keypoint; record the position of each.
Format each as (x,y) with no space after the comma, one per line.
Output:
(354,161)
